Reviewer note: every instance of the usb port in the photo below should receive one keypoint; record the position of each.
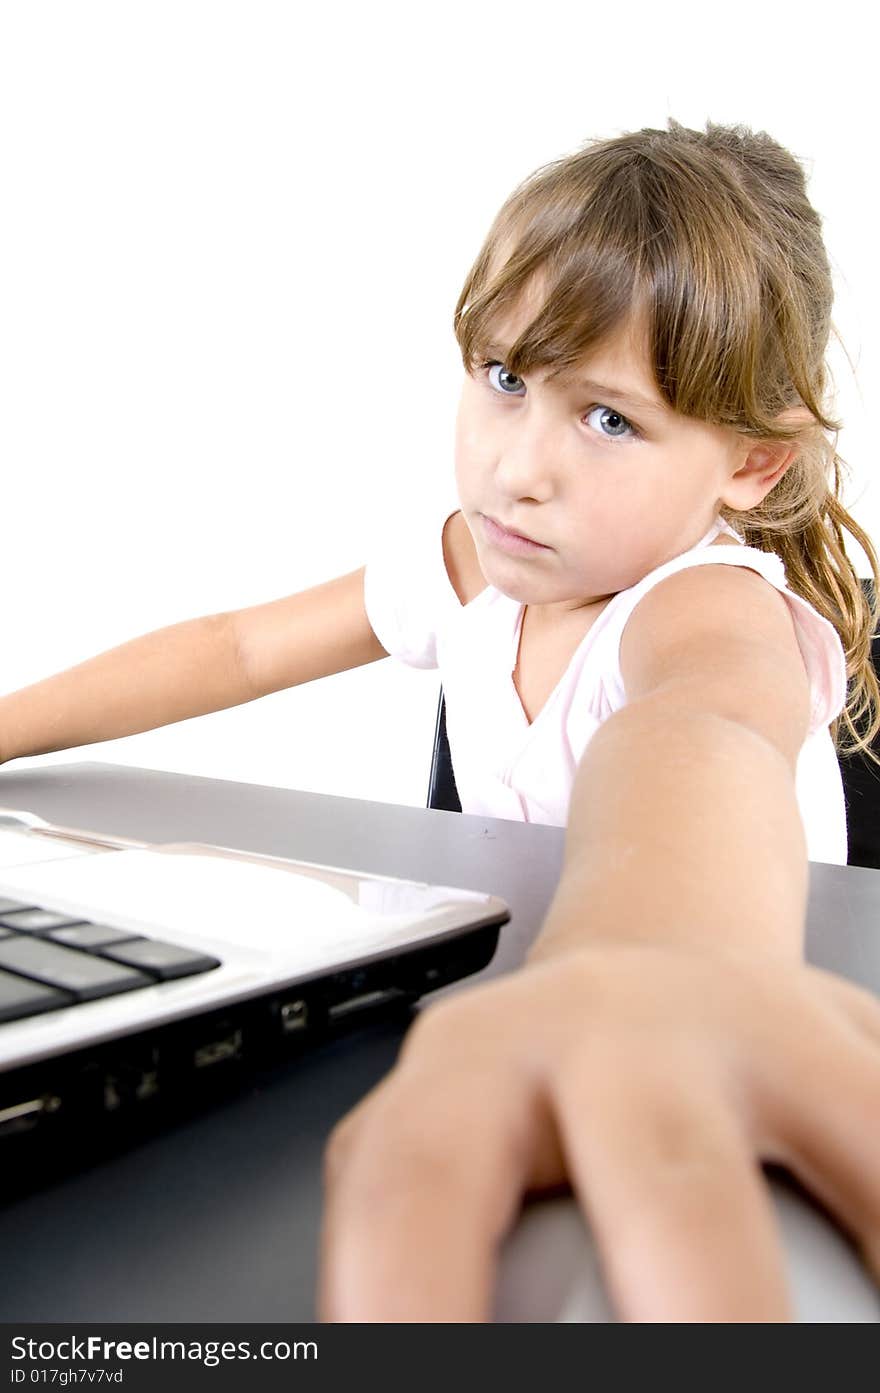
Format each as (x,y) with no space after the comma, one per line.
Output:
(227,1047)
(294,1016)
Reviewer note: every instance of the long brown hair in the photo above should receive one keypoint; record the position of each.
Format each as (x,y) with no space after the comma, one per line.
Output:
(713,236)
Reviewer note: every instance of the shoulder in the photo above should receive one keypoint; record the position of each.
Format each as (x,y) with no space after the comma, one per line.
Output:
(722,638)
(460,556)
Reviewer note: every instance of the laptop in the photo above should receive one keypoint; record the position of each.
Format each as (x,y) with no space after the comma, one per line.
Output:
(134,974)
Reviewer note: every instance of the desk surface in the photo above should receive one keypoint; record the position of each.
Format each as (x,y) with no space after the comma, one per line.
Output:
(217,1217)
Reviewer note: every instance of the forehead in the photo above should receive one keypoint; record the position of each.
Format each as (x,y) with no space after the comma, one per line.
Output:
(622,356)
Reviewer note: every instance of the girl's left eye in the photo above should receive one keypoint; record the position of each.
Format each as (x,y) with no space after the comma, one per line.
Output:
(621,427)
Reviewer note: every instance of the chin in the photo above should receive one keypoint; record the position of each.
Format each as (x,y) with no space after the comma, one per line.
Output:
(505,579)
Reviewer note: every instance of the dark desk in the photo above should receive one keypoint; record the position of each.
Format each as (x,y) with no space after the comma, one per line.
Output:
(217,1218)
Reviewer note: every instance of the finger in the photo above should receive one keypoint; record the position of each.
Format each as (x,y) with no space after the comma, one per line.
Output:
(679,1210)
(819,1109)
(430,1181)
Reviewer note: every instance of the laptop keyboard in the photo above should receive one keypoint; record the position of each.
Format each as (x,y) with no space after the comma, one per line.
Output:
(50,960)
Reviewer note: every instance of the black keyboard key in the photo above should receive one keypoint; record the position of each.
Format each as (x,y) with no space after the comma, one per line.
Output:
(6,906)
(83,974)
(89,935)
(19,997)
(165,959)
(35,920)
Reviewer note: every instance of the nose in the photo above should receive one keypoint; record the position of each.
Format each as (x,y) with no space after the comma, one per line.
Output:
(525,459)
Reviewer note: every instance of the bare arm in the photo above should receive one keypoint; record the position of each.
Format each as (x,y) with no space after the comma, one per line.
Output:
(663,1037)
(683,825)
(189,669)
(683,829)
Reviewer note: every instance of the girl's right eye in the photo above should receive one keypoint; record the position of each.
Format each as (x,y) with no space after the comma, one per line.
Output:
(499,377)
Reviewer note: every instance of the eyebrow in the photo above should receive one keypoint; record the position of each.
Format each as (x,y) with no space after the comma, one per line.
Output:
(641,403)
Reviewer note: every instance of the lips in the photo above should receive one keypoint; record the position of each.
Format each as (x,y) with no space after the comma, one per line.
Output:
(510,531)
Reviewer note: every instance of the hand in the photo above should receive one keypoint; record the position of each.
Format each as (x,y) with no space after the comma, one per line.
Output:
(652,1079)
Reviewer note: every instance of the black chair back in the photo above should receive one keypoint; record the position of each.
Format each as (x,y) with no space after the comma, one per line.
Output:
(442,792)
(861,787)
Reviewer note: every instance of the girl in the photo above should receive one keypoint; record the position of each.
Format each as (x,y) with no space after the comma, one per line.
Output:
(647,629)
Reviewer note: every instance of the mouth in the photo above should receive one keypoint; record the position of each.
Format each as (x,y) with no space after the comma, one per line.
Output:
(504,537)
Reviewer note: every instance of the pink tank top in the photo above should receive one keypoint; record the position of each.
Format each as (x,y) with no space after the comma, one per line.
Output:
(507,767)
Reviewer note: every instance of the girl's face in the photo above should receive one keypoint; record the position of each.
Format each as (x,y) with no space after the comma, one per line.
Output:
(608,478)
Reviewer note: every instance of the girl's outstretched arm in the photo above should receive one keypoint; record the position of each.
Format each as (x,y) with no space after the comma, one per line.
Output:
(664,1036)
(192,668)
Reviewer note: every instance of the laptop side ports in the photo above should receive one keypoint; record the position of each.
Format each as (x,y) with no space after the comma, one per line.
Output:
(364,1002)
(27,1115)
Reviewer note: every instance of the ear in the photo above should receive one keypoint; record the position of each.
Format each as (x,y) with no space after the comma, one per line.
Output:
(763,466)
(760,465)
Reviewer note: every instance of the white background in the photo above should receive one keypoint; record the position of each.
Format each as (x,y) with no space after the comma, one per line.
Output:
(231,240)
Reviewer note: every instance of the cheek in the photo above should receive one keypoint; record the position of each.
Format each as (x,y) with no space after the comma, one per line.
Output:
(470,449)
(616,536)
(460,438)
(466,422)
(461,458)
